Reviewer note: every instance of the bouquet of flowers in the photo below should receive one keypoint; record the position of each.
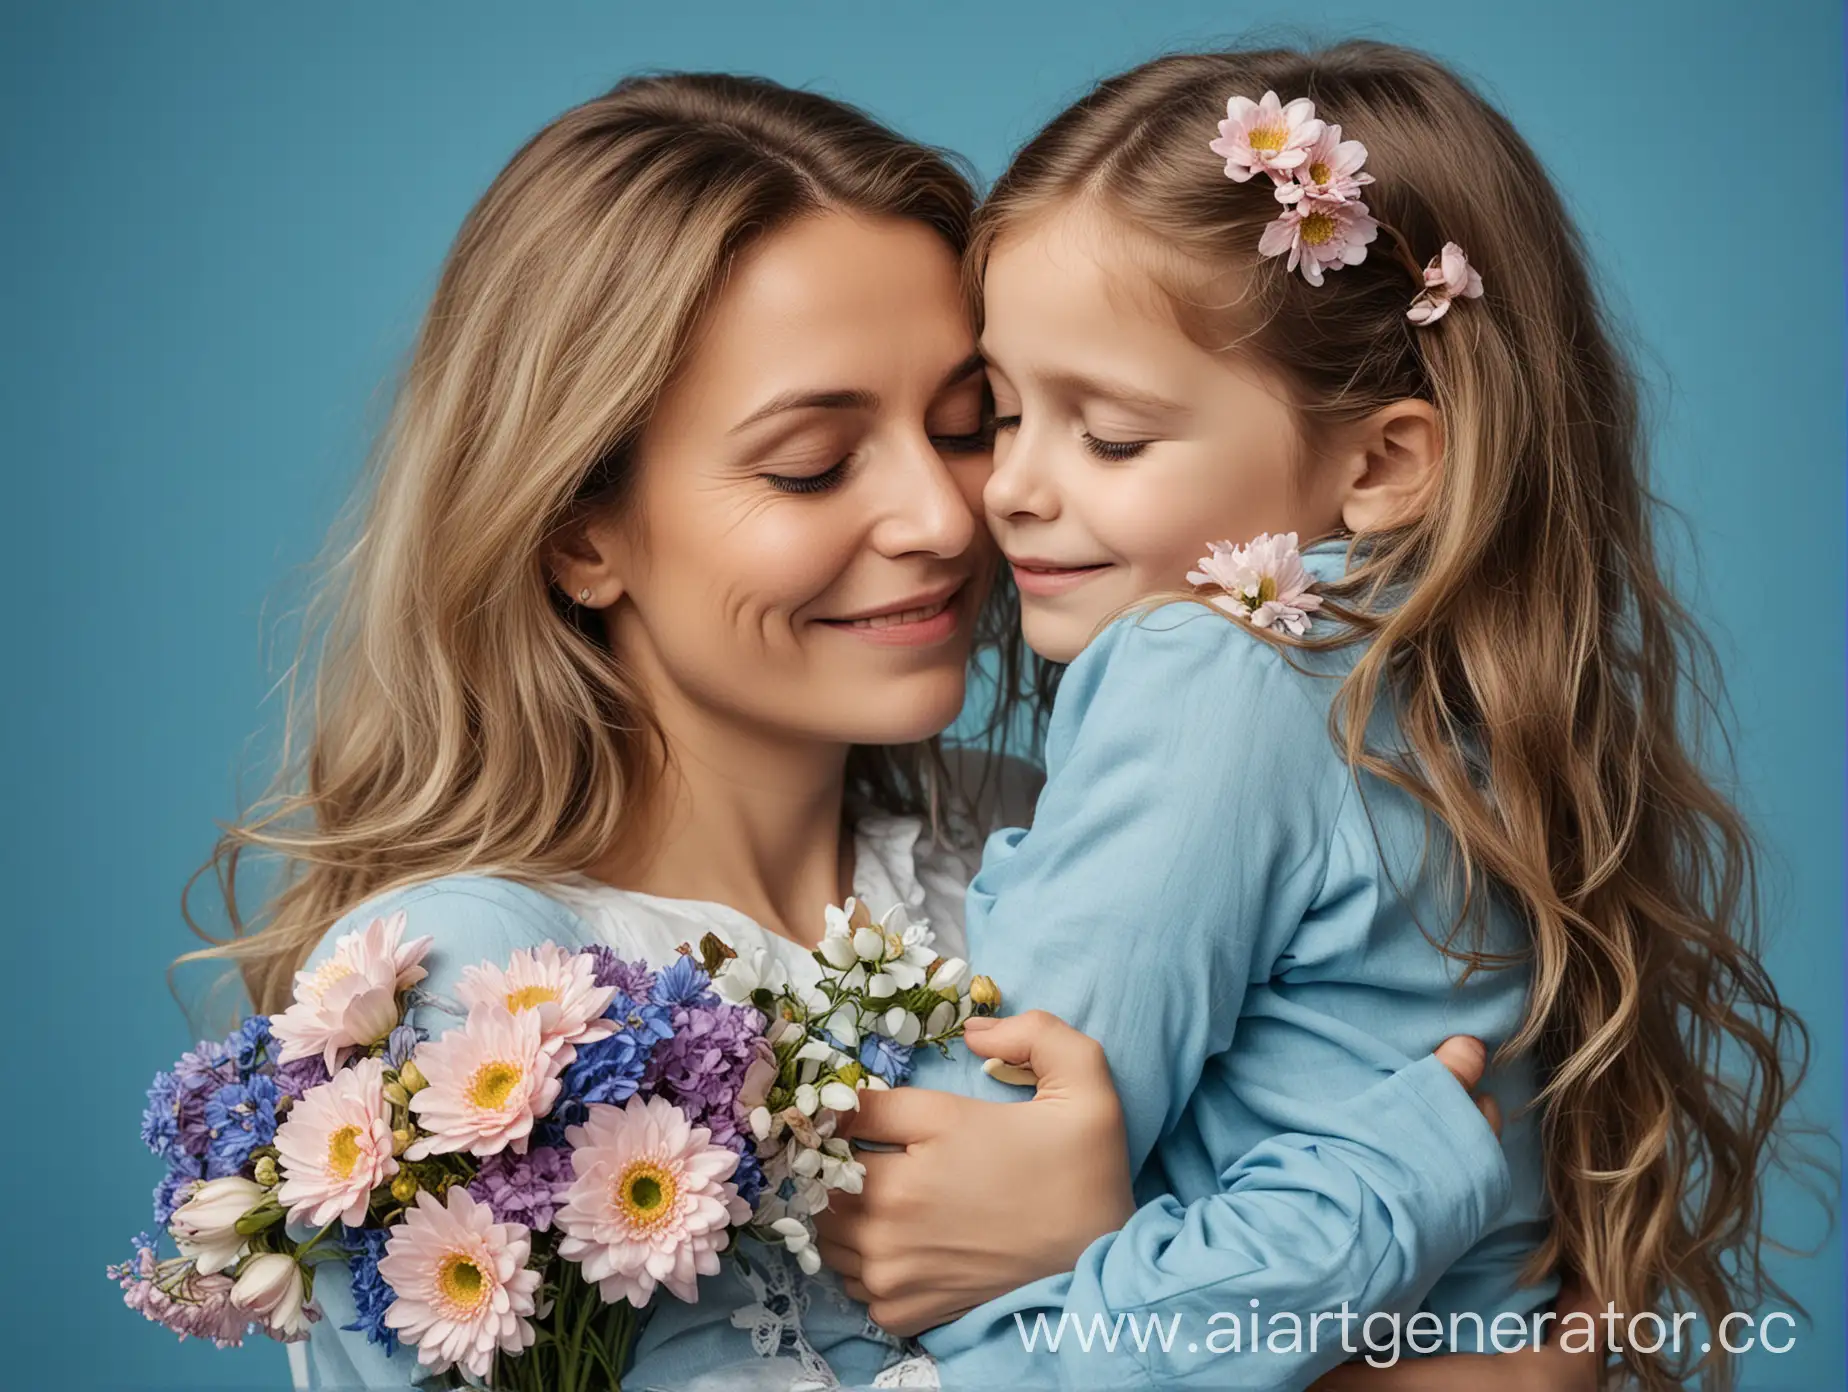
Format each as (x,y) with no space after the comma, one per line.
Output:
(508,1195)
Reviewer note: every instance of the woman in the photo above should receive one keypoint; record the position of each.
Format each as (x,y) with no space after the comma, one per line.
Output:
(669,579)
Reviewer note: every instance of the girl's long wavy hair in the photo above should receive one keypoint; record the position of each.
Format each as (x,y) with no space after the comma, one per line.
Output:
(1538,663)
(461,715)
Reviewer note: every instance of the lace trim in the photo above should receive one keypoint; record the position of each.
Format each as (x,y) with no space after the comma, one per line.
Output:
(774,1318)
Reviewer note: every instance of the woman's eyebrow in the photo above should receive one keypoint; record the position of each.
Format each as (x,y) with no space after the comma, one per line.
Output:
(845,398)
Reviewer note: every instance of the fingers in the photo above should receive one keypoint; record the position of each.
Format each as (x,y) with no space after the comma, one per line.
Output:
(900,1116)
(1064,1060)
(844,1260)
(1466,1058)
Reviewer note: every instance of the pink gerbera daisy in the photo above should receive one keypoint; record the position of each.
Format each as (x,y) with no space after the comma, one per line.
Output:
(462,1284)
(1331,170)
(488,1080)
(652,1202)
(336,1147)
(560,987)
(1266,135)
(351,999)
(1319,233)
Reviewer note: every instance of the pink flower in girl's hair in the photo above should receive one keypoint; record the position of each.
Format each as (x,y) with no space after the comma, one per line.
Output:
(1320,233)
(1449,276)
(1264,582)
(1266,135)
(1330,171)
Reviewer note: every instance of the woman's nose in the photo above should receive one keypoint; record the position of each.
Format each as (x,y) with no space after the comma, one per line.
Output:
(925,511)
(1018,485)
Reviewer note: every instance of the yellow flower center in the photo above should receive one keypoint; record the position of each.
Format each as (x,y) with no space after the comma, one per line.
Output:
(493,1083)
(645,1194)
(1267,590)
(325,975)
(461,1283)
(343,1152)
(1266,140)
(1318,228)
(1320,173)
(529,996)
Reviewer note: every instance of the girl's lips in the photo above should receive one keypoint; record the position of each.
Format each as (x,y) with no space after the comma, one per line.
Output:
(913,628)
(1044,581)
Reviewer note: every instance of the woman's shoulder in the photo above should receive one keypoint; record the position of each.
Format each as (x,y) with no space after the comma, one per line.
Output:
(469,917)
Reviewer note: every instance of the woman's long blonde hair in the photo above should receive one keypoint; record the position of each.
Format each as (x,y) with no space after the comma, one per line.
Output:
(461,714)
(1537,661)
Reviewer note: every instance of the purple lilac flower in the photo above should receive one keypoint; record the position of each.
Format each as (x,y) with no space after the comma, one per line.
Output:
(170,1193)
(296,1077)
(701,1067)
(372,1296)
(400,1044)
(160,1123)
(684,983)
(523,1188)
(242,1117)
(632,979)
(886,1057)
(207,1061)
(195,1131)
(249,1044)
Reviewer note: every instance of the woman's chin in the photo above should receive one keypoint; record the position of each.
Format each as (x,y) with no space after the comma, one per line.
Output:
(918,708)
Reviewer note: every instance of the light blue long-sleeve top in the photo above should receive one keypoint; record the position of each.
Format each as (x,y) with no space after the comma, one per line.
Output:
(1209,891)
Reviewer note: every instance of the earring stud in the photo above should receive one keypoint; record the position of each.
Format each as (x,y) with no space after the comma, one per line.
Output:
(584,595)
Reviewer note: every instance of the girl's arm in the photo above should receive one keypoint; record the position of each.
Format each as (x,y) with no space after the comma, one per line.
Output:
(1180,845)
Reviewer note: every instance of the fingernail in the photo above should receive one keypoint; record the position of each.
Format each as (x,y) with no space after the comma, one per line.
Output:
(975,1024)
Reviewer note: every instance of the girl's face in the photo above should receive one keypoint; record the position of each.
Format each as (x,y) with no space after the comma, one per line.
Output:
(1122,447)
(802,555)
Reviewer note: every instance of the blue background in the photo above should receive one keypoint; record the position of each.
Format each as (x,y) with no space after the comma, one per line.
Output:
(221,223)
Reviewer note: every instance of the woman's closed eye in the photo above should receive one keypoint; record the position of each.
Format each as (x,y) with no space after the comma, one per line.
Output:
(829,478)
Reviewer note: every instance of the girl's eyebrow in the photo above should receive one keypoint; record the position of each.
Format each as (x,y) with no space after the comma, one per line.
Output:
(847,398)
(1108,389)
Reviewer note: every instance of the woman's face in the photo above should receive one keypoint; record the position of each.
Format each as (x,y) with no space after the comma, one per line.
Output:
(802,555)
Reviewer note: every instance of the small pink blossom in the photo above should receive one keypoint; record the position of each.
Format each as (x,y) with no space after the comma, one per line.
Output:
(1331,170)
(173,1293)
(1448,276)
(351,999)
(652,1203)
(559,986)
(1264,582)
(488,1081)
(463,1287)
(1320,233)
(1266,135)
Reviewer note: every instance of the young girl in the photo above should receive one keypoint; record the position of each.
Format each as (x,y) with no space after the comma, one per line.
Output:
(1434,784)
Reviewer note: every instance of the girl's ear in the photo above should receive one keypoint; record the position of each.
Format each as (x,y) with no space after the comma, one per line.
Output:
(584,560)
(1397,454)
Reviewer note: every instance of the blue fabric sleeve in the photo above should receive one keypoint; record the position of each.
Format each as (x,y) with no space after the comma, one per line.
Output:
(1179,844)
(472,919)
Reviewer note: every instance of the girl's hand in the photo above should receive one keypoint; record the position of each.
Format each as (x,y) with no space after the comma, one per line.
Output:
(1546,1369)
(985,1197)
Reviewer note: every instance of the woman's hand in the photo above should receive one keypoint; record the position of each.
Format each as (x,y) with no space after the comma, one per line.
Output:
(1546,1369)
(985,1196)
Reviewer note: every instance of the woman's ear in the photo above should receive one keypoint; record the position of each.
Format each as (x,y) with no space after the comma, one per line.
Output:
(1397,455)
(583,557)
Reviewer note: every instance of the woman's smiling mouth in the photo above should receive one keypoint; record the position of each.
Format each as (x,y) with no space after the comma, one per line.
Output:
(918,621)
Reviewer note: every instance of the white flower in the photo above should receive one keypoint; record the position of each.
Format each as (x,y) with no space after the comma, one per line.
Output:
(900,1024)
(808,1100)
(747,972)
(760,1123)
(205,1226)
(942,1016)
(869,944)
(950,975)
(837,1096)
(909,947)
(270,1289)
(881,985)
(1264,582)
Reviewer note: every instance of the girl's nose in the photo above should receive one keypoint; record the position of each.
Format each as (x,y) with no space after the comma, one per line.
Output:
(1020,486)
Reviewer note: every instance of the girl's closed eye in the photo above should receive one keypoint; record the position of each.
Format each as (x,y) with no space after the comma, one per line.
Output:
(1115,450)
